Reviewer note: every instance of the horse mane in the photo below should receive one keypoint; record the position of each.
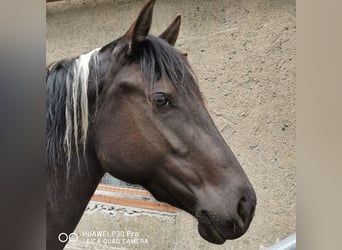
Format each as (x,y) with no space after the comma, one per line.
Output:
(67,98)
(67,107)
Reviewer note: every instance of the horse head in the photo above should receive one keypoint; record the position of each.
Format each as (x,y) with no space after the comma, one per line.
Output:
(152,128)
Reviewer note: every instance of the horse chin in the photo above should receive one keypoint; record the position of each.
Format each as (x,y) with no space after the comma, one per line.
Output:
(210,234)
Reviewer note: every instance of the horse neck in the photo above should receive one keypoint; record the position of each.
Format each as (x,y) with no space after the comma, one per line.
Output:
(68,198)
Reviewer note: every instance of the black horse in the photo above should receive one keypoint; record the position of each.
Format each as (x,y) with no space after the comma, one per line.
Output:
(133,108)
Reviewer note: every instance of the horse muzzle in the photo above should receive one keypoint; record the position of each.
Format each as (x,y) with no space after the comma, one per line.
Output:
(216,225)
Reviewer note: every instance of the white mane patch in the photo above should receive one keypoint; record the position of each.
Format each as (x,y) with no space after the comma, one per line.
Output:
(76,110)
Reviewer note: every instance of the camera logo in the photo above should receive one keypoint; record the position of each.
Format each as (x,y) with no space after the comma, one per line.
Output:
(63,237)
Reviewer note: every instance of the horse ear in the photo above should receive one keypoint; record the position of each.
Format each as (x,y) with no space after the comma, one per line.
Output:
(171,33)
(140,28)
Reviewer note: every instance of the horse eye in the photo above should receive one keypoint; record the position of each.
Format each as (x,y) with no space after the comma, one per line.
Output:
(160,99)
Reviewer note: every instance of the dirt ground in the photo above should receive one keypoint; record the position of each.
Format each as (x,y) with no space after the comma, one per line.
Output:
(243,53)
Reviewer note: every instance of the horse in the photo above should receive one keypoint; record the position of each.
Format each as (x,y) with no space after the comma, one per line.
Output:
(133,108)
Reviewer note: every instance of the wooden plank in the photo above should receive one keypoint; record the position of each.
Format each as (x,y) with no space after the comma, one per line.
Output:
(151,205)
(124,190)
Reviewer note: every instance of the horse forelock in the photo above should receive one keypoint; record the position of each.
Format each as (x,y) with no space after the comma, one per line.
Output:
(158,59)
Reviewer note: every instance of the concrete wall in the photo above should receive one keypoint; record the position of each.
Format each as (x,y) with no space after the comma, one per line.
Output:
(244,55)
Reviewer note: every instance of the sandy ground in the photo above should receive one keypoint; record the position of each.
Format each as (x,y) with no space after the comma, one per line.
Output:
(243,53)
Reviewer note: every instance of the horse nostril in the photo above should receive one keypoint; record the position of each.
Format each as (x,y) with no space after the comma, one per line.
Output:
(245,210)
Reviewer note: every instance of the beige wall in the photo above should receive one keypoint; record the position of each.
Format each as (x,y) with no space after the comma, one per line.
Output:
(244,55)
